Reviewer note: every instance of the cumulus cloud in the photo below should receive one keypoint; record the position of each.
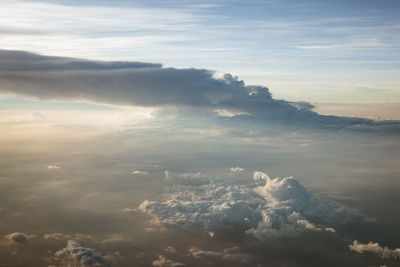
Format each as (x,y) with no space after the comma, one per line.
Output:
(162,261)
(147,84)
(271,208)
(75,255)
(237,169)
(375,248)
(18,237)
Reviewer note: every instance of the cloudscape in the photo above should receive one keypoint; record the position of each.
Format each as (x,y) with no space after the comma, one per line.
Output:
(199,133)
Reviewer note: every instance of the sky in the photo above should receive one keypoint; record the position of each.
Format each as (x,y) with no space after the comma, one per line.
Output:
(316,51)
(199,133)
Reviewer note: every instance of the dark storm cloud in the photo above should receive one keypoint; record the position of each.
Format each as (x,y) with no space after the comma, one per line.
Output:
(146,84)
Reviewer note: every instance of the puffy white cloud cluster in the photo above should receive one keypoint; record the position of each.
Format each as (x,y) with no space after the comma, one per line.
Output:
(75,255)
(209,205)
(375,248)
(271,208)
(291,208)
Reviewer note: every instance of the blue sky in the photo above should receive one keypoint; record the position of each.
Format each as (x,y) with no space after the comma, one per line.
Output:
(317,51)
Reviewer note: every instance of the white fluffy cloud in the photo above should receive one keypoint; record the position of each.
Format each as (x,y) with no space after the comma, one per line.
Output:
(75,255)
(375,248)
(271,208)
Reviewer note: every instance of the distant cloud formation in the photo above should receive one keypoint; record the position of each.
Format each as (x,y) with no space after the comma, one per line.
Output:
(272,208)
(237,169)
(74,255)
(53,167)
(228,254)
(375,248)
(162,261)
(139,172)
(18,237)
(147,84)
(187,178)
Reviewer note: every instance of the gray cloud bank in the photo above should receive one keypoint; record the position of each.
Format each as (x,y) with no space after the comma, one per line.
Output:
(147,84)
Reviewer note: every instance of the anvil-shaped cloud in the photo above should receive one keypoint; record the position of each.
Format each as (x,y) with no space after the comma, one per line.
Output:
(147,84)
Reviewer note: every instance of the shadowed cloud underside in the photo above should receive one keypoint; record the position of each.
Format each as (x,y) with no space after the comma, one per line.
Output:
(147,84)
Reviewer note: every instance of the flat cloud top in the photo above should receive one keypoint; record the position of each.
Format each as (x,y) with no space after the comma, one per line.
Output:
(25,61)
(148,84)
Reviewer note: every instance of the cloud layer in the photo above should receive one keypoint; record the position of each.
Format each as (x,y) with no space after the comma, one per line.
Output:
(147,84)
(272,208)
